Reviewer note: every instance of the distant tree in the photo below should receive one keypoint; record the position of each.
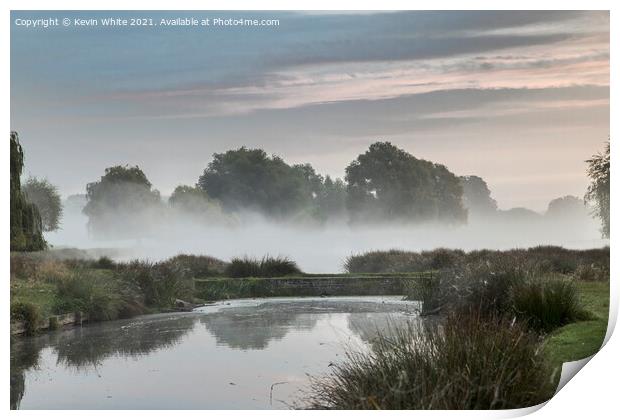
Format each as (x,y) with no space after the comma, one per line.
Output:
(26,226)
(75,203)
(520,214)
(387,183)
(121,202)
(193,200)
(332,198)
(567,207)
(477,196)
(45,196)
(249,178)
(598,191)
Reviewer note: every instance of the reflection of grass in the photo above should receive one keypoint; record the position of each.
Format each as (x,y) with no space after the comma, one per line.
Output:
(582,339)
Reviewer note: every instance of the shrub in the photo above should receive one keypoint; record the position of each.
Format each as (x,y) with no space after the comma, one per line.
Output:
(28,313)
(243,267)
(22,265)
(278,267)
(266,267)
(591,272)
(547,302)
(483,287)
(91,293)
(473,362)
(104,263)
(159,283)
(541,258)
(198,266)
(392,261)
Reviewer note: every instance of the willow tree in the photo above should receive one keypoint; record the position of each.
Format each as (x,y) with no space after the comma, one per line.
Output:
(598,191)
(26,226)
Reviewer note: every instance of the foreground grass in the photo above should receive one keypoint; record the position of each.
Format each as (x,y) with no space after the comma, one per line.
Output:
(582,339)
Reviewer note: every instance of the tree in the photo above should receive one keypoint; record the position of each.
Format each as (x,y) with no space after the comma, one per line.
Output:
(122,203)
(387,183)
(26,225)
(332,198)
(567,207)
(45,196)
(477,196)
(250,179)
(598,190)
(194,202)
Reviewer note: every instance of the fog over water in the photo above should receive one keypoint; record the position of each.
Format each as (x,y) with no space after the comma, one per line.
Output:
(322,248)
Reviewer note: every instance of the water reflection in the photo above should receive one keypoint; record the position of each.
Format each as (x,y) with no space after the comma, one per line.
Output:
(225,356)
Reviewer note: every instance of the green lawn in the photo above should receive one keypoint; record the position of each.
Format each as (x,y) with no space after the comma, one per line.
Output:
(582,339)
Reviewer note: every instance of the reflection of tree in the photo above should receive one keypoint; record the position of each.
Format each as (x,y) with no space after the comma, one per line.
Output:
(254,327)
(82,347)
(88,346)
(24,355)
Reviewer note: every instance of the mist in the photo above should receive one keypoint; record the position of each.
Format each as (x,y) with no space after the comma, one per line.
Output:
(321,247)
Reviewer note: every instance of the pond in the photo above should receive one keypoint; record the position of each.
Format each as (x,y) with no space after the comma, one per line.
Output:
(242,354)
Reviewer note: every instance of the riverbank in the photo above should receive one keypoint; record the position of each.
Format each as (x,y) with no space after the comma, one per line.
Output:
(526,311)
(47,292)
(583,338)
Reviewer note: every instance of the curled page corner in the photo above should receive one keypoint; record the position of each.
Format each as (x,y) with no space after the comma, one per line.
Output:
(569,370)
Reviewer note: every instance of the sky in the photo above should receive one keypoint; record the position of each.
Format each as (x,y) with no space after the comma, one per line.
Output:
(520,98)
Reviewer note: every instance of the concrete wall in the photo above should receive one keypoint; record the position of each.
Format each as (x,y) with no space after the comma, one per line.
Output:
(301,286)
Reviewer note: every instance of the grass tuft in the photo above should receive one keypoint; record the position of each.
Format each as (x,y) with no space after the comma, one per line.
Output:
(266,267)
(436,367)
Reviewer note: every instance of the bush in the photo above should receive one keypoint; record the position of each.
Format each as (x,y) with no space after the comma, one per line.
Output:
(546,303)
(198,266)
(243,267)
(28,313)
(543,301)
(266,267)
(105,263)
(483,287)
(392,261)
(91,293)
(278,267)
(159,283)
(591,272)
(473,362)
(541,258)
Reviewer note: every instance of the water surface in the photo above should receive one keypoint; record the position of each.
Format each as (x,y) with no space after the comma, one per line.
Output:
(243,354)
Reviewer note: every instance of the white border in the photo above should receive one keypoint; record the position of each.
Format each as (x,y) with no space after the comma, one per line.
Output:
(593,394)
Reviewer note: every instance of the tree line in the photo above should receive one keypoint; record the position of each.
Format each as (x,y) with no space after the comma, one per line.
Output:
(383,184)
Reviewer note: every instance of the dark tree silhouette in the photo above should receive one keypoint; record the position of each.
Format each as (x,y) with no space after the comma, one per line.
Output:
(250,179)
(26,225)
(387,183)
